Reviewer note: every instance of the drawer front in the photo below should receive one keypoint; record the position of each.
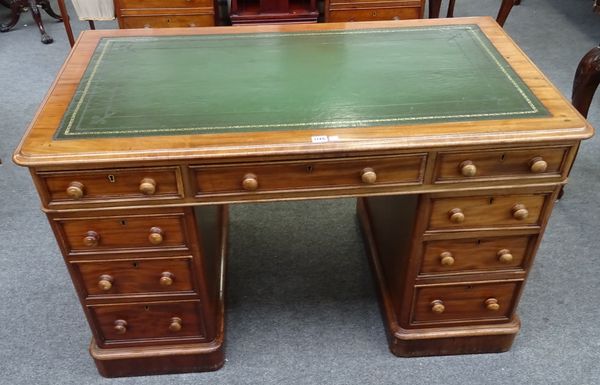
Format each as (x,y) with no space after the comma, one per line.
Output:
(466,302)
(206,19)
(533,162)
(142,184)
(373,13)
(152,4)
(487,211)
(464,255)
(136,276)
(123,233)
(148,322)
(332,174)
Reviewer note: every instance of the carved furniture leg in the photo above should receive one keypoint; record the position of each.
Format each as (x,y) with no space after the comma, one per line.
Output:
(505,8)
(434,8)
(46,7)
(5,3)
(37,17)
(16,8)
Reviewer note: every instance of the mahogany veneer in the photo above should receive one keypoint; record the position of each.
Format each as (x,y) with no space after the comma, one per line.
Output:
(452,212)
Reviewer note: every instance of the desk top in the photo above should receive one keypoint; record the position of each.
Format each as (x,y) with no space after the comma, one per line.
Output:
(256,91)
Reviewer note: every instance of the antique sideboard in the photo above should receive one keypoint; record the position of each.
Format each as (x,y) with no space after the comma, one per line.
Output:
(455,145)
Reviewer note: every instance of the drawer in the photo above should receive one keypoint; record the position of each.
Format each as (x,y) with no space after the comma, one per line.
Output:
(130,233)
(501,164)
(204,19)
(487,211)
(153,4)
(135,276)
(323,174)
(464,255)
(371,11)
(144,184)
(465,302)
(147,322)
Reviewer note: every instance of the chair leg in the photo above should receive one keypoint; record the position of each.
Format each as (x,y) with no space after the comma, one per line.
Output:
(37,17)
(587,78)
(434,8)
(450,8)
(46,7)
(505,8)
(14,19)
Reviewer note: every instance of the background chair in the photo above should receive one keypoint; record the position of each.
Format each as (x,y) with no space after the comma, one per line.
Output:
(505,8)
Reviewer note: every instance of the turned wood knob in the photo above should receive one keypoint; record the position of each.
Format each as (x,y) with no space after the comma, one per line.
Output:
(76,190)
(166,278)
(91,239)
(538,165)
(105,282)
(446,258)
(250,182)
(120,326)
(437,306)
(148,186)
(368,176)
(456,216)
(492,304)
(468,168)
(175,325)
(156,235)
(505,256)
(520,212)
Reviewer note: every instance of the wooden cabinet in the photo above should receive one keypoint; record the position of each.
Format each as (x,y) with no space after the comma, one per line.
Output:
(273,11)
(367,10)
(165,13)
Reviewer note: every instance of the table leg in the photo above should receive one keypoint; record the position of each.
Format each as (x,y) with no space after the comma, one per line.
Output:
(37,17)
(505,8)
(15,15)
(46,7)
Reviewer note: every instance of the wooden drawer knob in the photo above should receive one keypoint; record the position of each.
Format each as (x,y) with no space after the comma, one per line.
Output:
(538,165)
(368,176)
(175,325)
(76,190)
(120,326)
(105,282)
(446,258)
(456,216)
(505,256)
(91,239)
(250,182)
(156,235)
(437,306)
(148,186)
(492,304)
(166,278)
(519,212)
(468,168)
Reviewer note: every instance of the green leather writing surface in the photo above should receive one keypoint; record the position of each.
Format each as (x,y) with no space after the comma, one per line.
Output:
(137,86)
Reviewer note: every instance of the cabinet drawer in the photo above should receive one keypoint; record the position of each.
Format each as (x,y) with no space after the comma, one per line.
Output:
(465,302)
(148,322)
(464,255)
(348,12)
(501,164)
(332,174)
(71,187)
(487,211)
(135,276)
(130,233)
(154,4)
(204,19)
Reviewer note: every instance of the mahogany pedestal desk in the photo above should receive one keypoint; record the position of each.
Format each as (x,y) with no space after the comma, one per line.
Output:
(455,144)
